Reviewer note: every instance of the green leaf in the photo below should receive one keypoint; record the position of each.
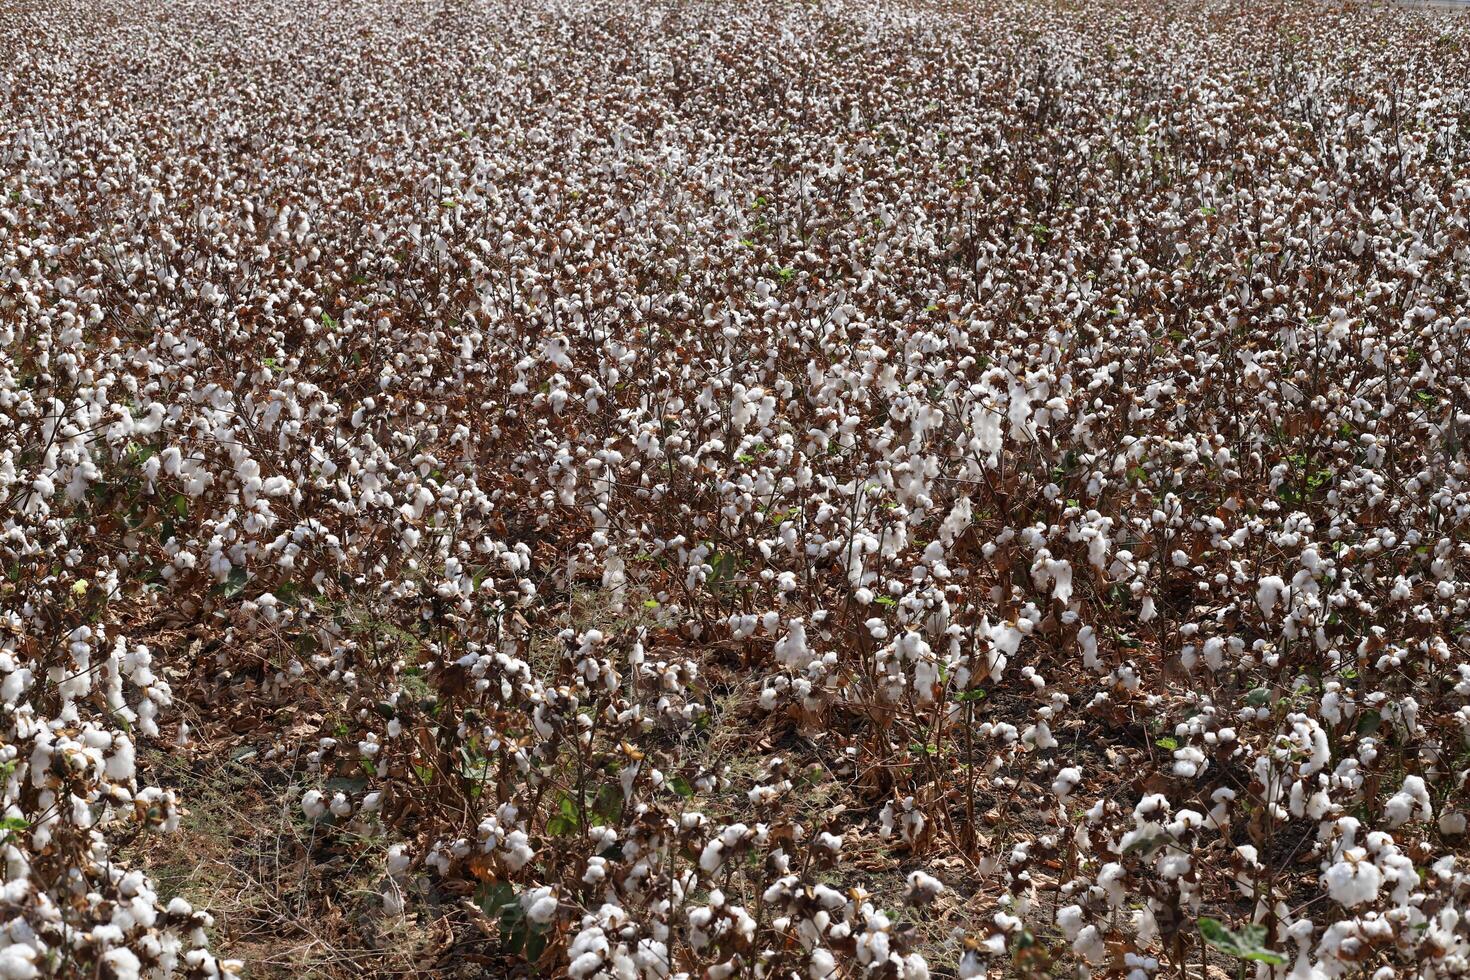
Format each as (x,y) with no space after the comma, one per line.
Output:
(608,806)
(886,600)
(345,784)
(494,897)
(681,786)
(1168,743)
(535,943)
(10,826)
(1147,845)
(722,568)
(1257,697)
(1249,943)
(235,583)
(974,694)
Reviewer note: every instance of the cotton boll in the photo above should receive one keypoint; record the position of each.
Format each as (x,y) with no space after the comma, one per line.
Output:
(922,888)
(821,964)
(915,967)
(596,870)
(313,804)
(1189,762)
(1066,781)
(540,905)
(1070,920)
(1087,640)
(1214,653)
(18,962)
(712,856)
(792,650)
(121,763)
(123,962)
(1089,945)
(1268,593)
(956,522)
(1354,880)
(1409,803)
(517,850)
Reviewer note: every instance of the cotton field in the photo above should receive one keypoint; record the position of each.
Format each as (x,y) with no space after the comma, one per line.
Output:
(734,489)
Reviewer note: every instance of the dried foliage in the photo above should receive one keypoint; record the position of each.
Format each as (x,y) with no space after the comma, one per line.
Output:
(1014,454)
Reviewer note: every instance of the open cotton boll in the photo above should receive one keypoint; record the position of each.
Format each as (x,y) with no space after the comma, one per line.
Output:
(123,963)
(1189,762)
(18,962)
(791,649)
(1214,653)
(922,888)
(517,850)
(1061,572)
(1089,945)
(956,521)
(822,965)
(1268,593)
(540,905)
(1067,780)
(712,856)
(313,804)
(1353,880)
(1409,803)
(1005,640)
